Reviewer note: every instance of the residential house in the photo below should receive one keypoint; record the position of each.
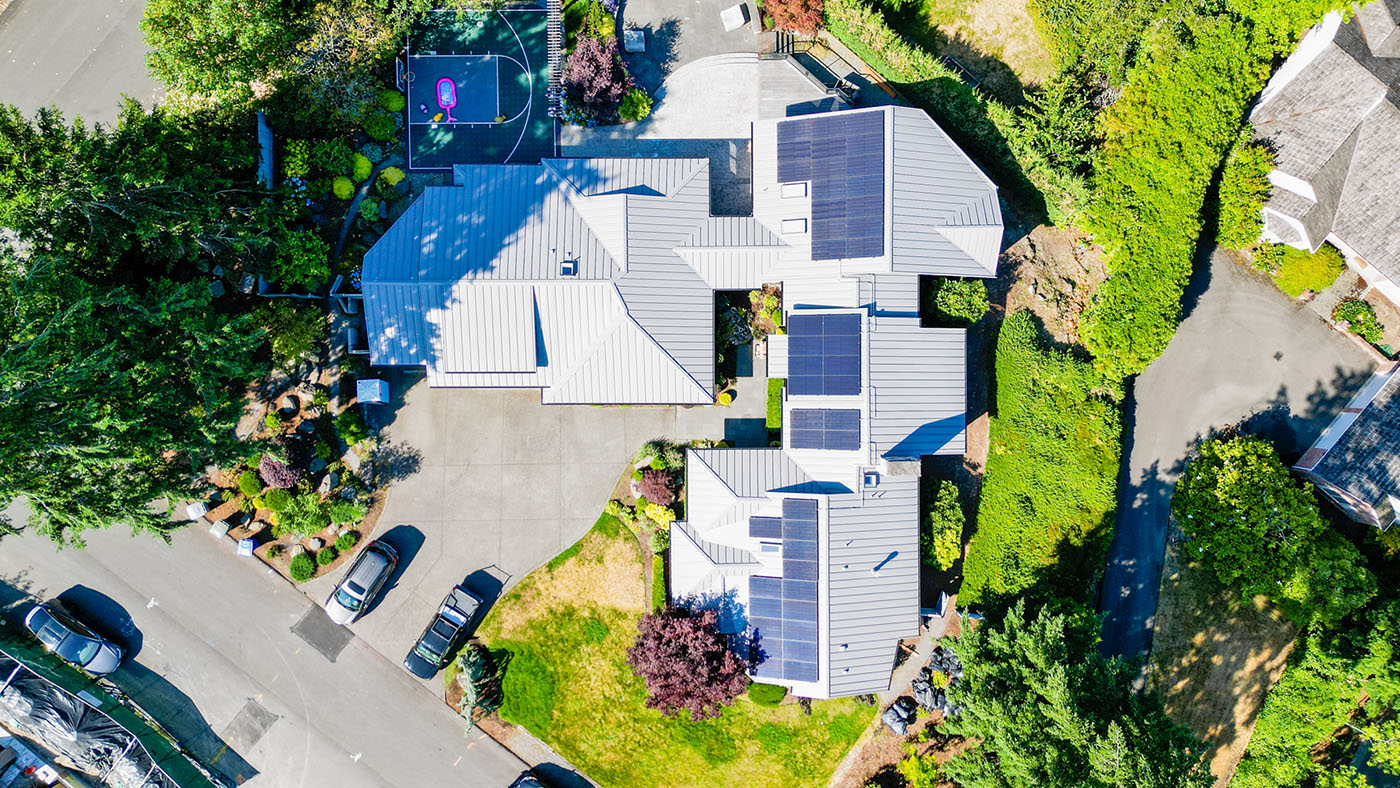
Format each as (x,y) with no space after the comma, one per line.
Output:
(593,280)
(1356,461)
(1332,115)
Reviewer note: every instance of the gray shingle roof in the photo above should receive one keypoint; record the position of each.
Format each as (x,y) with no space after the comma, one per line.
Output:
(1365,460)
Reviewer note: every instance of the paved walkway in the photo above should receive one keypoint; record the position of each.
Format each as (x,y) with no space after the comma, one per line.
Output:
(79,55)
(1246,353)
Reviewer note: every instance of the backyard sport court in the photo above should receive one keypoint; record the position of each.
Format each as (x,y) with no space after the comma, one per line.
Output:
(477,87)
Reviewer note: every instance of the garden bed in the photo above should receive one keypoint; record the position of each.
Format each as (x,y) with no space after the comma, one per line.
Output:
(565,630)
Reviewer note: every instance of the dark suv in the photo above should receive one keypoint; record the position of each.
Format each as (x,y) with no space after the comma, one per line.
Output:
(362,583)
(434,647)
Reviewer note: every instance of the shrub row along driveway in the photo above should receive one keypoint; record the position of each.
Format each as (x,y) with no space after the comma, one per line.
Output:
(1246,354)
(491,484)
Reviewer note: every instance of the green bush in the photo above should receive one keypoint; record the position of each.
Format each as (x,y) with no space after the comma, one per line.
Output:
(331,156)
(302,568)
(369,209)
(940,539)
(325,556)
(342,187)
(1050,486)
(390,177)
(379,126)
(304,514)
(343,511)
(360,167)
(598,21)
(296,160)
(391,100)
(774,416)
(1300,270)
(293,332)
(351,427)
(303,261)
(636,105)
(250,484)
(960,302)
(347,540)
(988,130)
(274,551)
(276,500)
(659,597)
(1164,138)
(1360,318)
(767,694)
(1244,188)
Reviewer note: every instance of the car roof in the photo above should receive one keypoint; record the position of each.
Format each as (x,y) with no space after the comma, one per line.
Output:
(369,566)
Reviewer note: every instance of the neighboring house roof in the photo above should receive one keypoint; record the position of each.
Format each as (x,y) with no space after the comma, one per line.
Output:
(1360,450)
(1331,115)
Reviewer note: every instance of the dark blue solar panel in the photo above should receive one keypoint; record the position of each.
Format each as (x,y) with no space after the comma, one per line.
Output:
(799,671)
(800,550)
(800,652)
(825,428)
(841,325)
(823,356)
(799,589)
(783,611)
(800,570)
(766,586)
(767,627)
(766,527)
(763,607)
(843,155)
(798,630)
(799,611)
(772,649)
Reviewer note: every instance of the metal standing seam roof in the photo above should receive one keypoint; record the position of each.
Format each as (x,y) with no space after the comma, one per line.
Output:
(918,381)
(869,611)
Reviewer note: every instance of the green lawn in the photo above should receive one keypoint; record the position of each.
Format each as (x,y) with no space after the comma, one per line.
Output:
(567,628)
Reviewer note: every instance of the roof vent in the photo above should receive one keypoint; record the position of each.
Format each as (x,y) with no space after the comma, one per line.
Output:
(872,480)
(568,268)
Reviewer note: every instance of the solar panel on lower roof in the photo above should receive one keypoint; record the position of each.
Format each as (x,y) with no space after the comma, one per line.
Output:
(783,612)
(825,428)
(824,354)
(766,527)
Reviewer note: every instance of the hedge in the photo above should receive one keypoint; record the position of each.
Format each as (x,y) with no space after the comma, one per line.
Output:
(774,415)
(987,129)
(1050,488)
(1163,141)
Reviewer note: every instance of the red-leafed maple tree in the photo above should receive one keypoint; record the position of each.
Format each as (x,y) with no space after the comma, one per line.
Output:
(686,663)
(657,487)
(799,16)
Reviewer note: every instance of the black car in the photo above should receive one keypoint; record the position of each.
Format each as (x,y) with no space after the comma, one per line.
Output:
(527,780)
(434,647)
(62,633)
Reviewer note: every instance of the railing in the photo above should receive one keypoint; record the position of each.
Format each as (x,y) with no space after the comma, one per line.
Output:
(814,60)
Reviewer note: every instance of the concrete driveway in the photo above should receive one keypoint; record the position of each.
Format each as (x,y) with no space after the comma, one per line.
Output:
(679,32)
(1246,354)
(493,484)
(78,55)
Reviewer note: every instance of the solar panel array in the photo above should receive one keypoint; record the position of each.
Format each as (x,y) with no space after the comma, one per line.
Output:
(843,155)
(824,354)
(825,428)
(783,610)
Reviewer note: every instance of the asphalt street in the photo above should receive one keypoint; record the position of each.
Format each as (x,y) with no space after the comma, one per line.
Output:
(218,659)
(77,55)
(1246,355)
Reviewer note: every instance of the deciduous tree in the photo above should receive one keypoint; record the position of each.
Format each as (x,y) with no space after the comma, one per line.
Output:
(686,663)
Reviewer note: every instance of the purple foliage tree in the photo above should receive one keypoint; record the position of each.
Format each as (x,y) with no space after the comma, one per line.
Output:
(278,474)
(686,663)
(657,486)
(595,79)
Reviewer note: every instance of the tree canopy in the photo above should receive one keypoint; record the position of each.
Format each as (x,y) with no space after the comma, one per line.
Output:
(1051,711)
(206,46)
(686,663)
(1260,530)
(120,377)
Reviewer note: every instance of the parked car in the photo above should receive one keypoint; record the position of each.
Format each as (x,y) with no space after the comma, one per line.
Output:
(63,634)
(357,589)
(434,647)
(527,780)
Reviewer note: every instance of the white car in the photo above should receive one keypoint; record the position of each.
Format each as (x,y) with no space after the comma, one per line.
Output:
(357,589)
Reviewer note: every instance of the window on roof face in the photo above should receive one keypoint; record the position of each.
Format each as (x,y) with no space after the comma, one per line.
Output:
(568,268)
(798,189)
(794,226)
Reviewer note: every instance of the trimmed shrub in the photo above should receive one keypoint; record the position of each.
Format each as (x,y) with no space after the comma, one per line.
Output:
(391,100)
(1244,188)
(637,474)
(635,106)
(342,187)
(304,514)
(725,399)
(296,160)
(302,568)
(347,540)
(278,474)
(661,515)
(277,499)
(658,463)
(360,167)
(660,539)
(325,556)
(343,511)
(1360,318)
(390,176)
(331,156)
(379,126)
(960,302)
(598,21)
(767,694)
(274,551)
(657,486)
(1300,270)
(303,260)
(250,484)
(774,416)
(351,427)
(940,540)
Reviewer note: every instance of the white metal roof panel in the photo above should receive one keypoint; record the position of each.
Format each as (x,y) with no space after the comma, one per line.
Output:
(486,328)
(918,398)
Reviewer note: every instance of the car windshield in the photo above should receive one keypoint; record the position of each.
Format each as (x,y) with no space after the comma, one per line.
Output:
(426,652)
(78,649)
(345,600)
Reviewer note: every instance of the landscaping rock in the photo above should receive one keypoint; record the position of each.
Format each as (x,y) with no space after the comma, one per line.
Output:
(216,288)
(316,543)
(246,284)
(296,551)
(307,427)
(327,484)
(317,465)
(256,527)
